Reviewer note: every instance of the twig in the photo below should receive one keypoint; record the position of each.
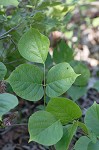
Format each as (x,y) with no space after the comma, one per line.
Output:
(8,128)
(14,125)
(13,42)
(13,61)
(4,34)
(3,37)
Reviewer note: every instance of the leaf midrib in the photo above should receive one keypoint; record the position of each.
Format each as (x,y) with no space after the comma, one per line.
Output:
(61,79)
(38,47)
(46,128)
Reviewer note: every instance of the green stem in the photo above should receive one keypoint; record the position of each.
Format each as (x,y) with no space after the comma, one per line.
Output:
(3,37)
(6,33)
(44,88)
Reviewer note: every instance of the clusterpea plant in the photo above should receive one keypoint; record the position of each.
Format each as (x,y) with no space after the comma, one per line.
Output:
(62,52)
(57,124)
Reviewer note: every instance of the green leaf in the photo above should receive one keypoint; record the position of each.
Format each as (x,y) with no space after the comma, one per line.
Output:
(26,81)
(51,24)
(59,79)
(44,4)
(82,143)
(34,46)
(68,134)
(65,21)
(59,11)
(3,70)
(93,146)
(92,118)
(44,128)
(83,127)
(38,16)
(7,102)
(96,86)
(39,25)
(75,92)
(64,109)
(34,2)
(49,62)
(9,2)
(62,53)
(92,136)
(15,59)
(82,69)
(95,22)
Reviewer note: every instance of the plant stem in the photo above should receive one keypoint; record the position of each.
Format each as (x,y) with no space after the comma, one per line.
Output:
(6,33)
(14,125)
(44,88)
(17,60)
(3,37)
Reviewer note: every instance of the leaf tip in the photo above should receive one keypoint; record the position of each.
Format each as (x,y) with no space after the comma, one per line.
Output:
(78,75)
(29,140)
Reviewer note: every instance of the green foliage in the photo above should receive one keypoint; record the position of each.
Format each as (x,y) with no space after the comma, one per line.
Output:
(3,71)
(7,102)
(26,81)
(79,88)
(63,53)
(92,136)
(83,127)
(59,79)
(95,22)
(91,127)
(9,2)
(29,82)
(25,31)
(43,127)
(75,92)
(96,86)
(34,46)
(82,69)
(64,109)
(13,60)
(92,118)
(93,146)
(82,143)
(68,133)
